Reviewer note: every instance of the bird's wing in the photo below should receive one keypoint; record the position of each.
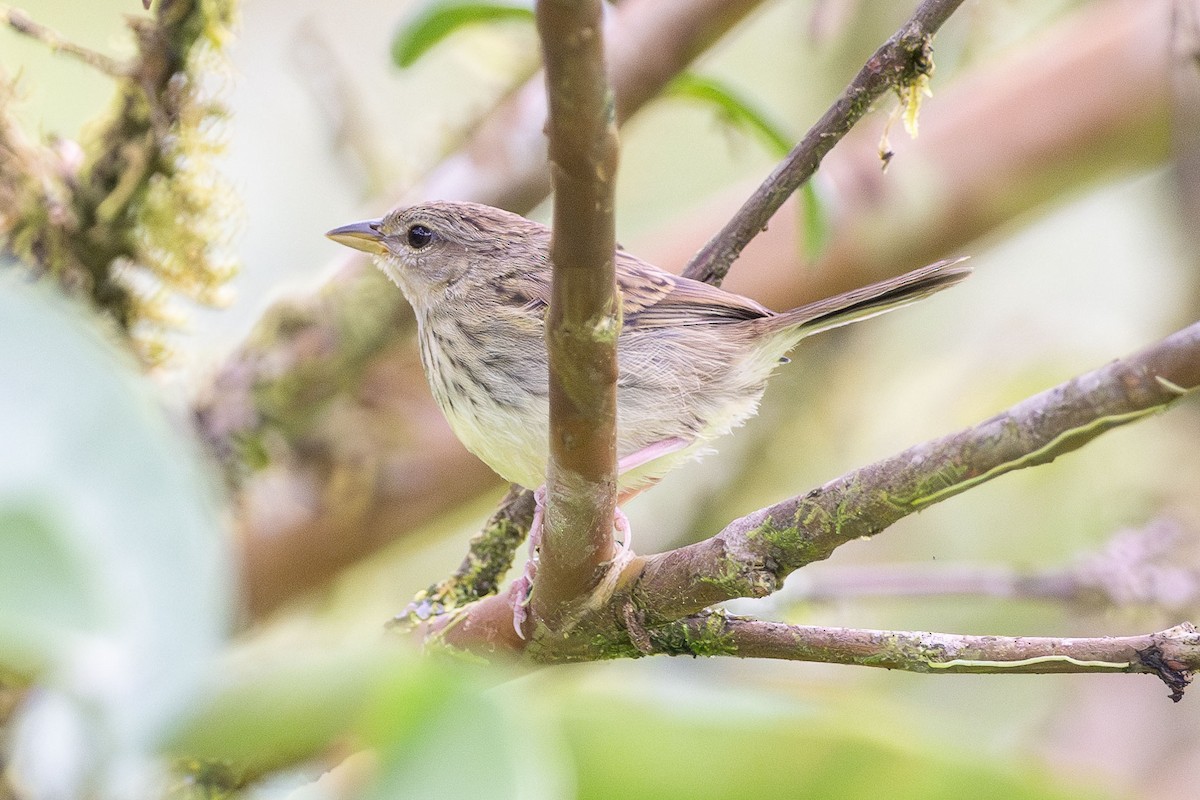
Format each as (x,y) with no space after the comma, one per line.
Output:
(650,297)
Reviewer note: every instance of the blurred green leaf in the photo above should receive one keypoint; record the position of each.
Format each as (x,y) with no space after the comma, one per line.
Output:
(740,112)
(45,587)
(437,20)
(113,569)
(816,224)
(732,107)
(470,748)
(708,748)
(410,711)
(267,714)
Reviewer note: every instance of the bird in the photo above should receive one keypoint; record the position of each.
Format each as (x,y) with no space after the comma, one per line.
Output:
(693,359)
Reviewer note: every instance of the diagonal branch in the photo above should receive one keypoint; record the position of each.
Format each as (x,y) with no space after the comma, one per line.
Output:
(583,321)
(899,61)
(752,556)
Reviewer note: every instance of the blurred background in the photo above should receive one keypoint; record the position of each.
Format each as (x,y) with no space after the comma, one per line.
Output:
(1057,150)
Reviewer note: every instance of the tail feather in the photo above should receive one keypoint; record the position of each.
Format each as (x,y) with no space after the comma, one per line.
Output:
(869,301)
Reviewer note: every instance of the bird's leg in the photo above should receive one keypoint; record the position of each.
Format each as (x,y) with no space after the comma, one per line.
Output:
(523,586)
(651,452)
(621,524)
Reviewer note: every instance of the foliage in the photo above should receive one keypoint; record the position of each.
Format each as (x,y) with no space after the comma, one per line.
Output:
(439,19)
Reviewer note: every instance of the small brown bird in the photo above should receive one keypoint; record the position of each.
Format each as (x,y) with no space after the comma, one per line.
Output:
(693,359)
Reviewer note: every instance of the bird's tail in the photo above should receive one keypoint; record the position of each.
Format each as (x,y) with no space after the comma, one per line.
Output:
(869,301)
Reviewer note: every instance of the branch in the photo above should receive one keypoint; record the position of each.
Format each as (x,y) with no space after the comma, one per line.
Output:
(139,202)
(584,318)
(1169,654)
(752,556)
(489,556)
(1092,104)
(900,61)
(20,22)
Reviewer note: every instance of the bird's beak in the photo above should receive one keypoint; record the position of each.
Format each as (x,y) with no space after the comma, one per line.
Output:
(364,236)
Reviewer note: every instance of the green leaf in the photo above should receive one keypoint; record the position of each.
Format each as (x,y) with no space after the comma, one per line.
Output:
(815,222)
(437,20)
(434,730)
(114,573)
(282,710)
(46,590)
(473,747)
(740,112)
(694,743)
(737,110)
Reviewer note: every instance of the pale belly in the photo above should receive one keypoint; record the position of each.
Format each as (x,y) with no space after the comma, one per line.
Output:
(509,432)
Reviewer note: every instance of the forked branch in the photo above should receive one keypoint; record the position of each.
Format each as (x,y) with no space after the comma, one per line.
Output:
(659,601)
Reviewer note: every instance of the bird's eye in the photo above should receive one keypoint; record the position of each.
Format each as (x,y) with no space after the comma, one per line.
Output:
(419,237)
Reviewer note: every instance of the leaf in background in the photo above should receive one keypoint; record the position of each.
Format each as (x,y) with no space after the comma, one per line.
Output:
(439,19)
(697,743)
(740,112)
(732,107)
(815,225)
(113,567)
(292,707)
(475,746)
(430,727)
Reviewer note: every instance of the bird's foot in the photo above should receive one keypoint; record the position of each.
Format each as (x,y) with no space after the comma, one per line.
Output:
(621,524)
(522,587)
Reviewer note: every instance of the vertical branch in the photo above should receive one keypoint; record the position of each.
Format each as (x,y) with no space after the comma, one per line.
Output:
(584,317)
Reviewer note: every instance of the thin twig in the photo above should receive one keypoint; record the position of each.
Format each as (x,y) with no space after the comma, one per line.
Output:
(21,22)
(751,557)
(584,320)
(1171,654)
(900,60)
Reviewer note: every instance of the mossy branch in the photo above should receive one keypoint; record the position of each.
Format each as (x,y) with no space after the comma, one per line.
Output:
(656,603)
(752,556)
(1171,655)
(132,213)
